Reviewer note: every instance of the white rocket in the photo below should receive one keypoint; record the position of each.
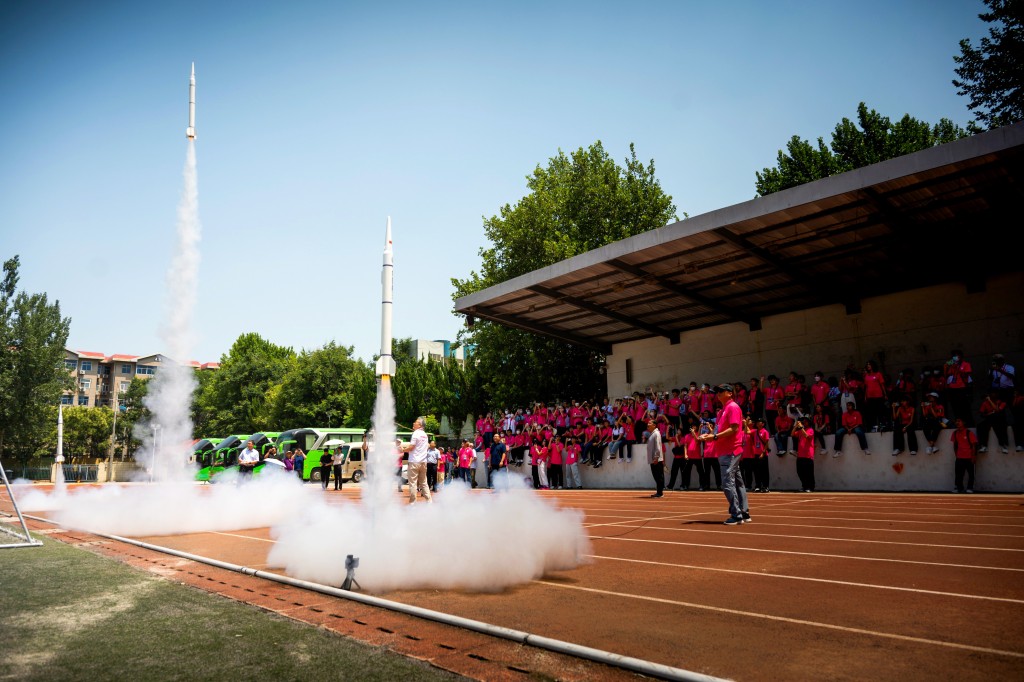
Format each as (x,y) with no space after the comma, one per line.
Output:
(60,435)
(190,132)
(386,363)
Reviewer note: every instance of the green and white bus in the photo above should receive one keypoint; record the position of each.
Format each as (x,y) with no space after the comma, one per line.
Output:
(224,456)
(312,440)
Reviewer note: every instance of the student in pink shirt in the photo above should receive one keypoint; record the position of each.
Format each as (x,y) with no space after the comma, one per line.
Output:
(672,409)
(957,373)
(555,463)
(965,448)
(773,397)
(727,445)
(537,454)
(759,444)
(572,469)
(803,434)
(747,457)
(466,456)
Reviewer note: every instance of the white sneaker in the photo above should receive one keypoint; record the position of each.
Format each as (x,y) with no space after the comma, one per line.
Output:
(895,452)
(867,452)
(1020,448)
(823,452)
(969,491)
(929,449)
(835,454)
(913,452)
(983,448)
(1003,450)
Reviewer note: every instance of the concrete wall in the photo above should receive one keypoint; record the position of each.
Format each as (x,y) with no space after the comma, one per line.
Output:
(852,470)
(913,329)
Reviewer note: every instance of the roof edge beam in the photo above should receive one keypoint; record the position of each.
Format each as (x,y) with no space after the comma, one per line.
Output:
(672,336)
(551,332)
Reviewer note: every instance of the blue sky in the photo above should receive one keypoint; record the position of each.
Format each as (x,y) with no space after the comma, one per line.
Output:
(317,120)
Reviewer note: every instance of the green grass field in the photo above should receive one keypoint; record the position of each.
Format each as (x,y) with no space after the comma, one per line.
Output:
(68,614)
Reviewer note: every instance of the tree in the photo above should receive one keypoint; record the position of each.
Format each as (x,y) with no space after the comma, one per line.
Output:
(992,75)
(320,388)
(135,413)
(87,431)
(576,203)
(33,336)
(235,399)
(872,139)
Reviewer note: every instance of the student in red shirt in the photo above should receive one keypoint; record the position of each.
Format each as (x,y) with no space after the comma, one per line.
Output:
(933,420)
(957,373)
(572,469)
(821,422)
(965,448)
(803,434)
(794,389)
(466,456)
(993,417)
(903,426)
(874,396)
(555,449)
(783,426)
(853,422)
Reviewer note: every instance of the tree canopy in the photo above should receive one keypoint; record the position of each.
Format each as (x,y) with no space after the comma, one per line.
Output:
(992,75)
(578,202)
(871,139)
(33,336)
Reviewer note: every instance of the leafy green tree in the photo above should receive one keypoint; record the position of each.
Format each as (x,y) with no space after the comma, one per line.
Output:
(992,75)
(87,431)
(577,203)
(33,336)
(236,398)
(135,414)
(320,388)
(871,139)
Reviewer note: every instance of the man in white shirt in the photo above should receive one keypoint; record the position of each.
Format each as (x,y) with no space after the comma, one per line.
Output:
(248,459)
(417,469)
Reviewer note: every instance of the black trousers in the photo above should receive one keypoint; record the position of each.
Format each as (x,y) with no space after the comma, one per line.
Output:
(897,438)
(337,476)
(761,473)
(325,475)
(710,464)
(963,466)
(555,479)
(681,467)
(658,470)
(432,476)
(805,470)
(747,472)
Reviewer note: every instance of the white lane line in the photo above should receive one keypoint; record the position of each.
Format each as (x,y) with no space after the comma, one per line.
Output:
(795,621)
(813,580)
(844,518)
(827,539)
(815,554)
(761,522)
(236,535)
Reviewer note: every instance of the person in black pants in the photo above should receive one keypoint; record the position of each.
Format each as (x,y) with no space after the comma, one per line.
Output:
(325,468)
(337,464)
(710,463)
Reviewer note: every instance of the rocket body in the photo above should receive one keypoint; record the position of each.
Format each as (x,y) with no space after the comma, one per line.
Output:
(190,132)
(60,435)
(386,363)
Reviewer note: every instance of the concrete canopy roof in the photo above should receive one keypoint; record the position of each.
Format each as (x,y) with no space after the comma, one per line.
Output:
(940,215)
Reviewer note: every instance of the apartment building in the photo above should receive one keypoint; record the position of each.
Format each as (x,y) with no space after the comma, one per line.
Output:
(100,378)
(422,349)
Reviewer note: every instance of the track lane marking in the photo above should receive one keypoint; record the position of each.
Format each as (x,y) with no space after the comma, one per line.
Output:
(815,554)
(794,621)
(845,583)
(825,539)
(236,535)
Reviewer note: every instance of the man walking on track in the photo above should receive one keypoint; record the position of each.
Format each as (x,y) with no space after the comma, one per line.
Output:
(656,457)
(728,448)
(417,468)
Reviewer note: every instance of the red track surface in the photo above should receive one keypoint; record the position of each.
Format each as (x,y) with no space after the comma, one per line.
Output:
(818,586)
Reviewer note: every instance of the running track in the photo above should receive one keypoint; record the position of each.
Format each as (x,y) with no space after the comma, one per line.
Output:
(818,586)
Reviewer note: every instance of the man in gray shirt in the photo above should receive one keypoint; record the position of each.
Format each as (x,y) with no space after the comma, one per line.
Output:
(656,457)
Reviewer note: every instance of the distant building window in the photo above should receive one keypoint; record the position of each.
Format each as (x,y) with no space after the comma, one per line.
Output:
(126,368)
(143,369)
(83,400)
(71,364)
(86,365)
(124,386)
(85,384)
(66,400)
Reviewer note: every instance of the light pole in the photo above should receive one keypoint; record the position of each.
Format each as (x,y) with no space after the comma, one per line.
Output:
(113,441)
(156,440)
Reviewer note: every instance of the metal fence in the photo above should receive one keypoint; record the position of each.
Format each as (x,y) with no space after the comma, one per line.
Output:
(73,473)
